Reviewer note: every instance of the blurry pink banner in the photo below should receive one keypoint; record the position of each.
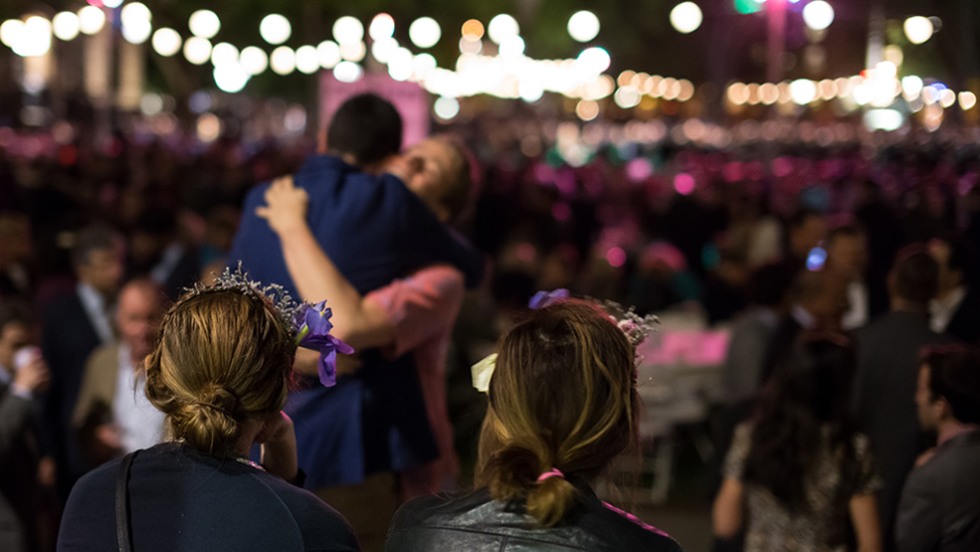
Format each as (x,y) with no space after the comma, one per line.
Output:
(408,98)
(686,347)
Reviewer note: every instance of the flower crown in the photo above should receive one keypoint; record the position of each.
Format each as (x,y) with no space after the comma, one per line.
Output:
(308,324)
(636,328)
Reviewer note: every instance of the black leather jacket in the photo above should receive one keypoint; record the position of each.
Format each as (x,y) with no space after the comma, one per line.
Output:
(476,523)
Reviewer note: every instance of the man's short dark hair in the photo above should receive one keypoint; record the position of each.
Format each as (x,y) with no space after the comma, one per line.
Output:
(845,230)
(800,216)
(92,238)
(954,374)
(770,283)
(366,127)
(916,275)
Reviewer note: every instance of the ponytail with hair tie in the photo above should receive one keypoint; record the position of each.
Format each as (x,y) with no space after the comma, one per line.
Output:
(553,472)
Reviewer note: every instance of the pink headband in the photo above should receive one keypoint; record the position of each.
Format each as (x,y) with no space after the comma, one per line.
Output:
(553,472)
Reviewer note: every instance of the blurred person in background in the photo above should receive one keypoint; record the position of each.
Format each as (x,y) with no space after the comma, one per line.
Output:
(23,375)
(74,325)
(816,301)
(156,251)
(798,476)
(955,310)
(805,229)
(847,255)
(16,256)
(940,506)
(887,368)
(112,416)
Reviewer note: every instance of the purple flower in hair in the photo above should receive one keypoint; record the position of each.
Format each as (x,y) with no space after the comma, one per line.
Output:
(313,323)
(542,299)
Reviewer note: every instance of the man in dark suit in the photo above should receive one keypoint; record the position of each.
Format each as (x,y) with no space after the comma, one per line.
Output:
(74,325)
(940,508)
(817,301)
(888,352)
(956,307)
(22,374)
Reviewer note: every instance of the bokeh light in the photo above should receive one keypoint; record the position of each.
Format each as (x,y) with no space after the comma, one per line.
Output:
(275,29)
(65,26)
(34,38)
(166,42)
(583,26)
(307,60)
(446,108)
(254,60)
(224,53)
(329,53)
(348,71)
(918,29)
(283,60)
(231,77)
(197,50)
(382,27)
(90,20)
(587,110)
(684,184)
(502,26)
(616,257)
(347,30)
(686,17)
(204,23)
(818,15)
(472,30)
(425,32)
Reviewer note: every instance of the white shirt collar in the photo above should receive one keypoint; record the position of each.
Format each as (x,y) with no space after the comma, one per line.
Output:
(802,317)
(94,304)
(942,311)
(140,424)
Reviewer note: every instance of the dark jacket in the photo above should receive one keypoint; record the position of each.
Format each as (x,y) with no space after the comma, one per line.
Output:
(477,523)
(182,500)
(18,472)
(884,396)
(940,508)
(68,337)
(965,322)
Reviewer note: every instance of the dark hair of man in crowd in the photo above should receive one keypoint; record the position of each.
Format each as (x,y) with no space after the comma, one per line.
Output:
(367,128)
(769,284)
(89,239)
(915,275)
(954,374)
(846,229)
(799,217)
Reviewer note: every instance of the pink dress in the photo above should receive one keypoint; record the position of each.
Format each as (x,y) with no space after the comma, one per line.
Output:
(422,309)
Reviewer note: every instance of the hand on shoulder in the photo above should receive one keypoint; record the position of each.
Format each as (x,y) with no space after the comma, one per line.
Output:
(285,207)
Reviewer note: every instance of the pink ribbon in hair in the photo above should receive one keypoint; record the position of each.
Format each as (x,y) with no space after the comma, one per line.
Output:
(553,472)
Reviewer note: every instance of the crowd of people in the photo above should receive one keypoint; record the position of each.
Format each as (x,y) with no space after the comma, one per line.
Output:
(844,273)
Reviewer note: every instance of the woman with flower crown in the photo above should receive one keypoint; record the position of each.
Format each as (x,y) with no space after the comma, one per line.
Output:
(219,373)
(562,406)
